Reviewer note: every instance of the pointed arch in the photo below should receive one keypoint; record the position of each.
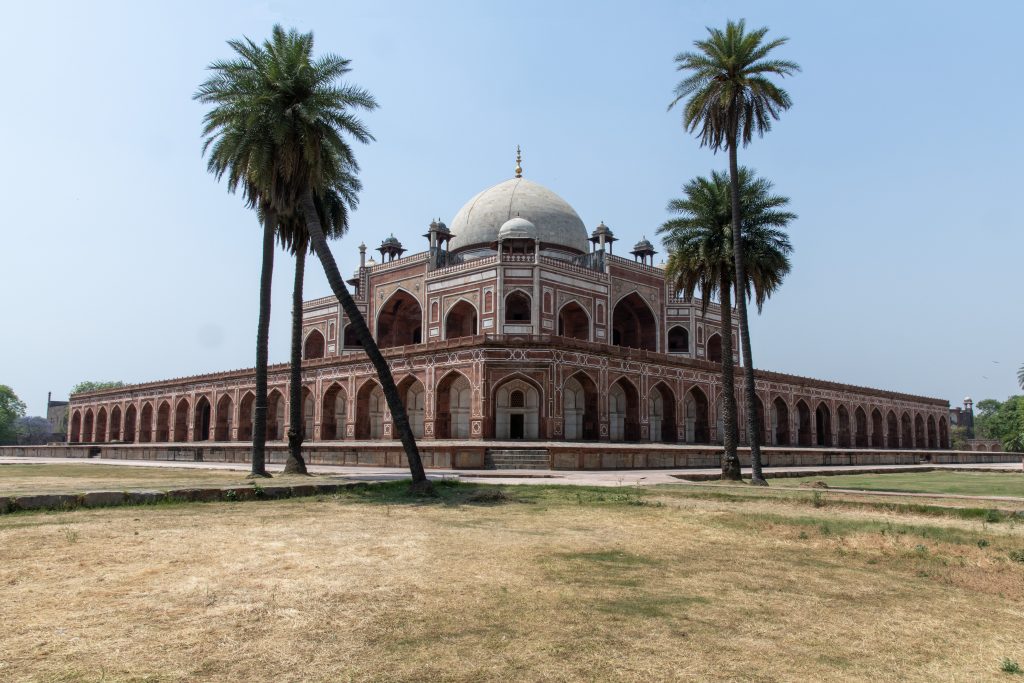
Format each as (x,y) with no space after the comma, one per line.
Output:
(131,417)
(115,423)
(844,434)
(713,348)
(919,438)
(146,423)
(203,419)
(860,420)
(314,345)
(453,402)
(695,407)
(413,394)
(399,320)
(275,415)
(461,320)
(225,418)
(634,324)
(623,411)
(803,422)
(181,421)
(308,413)
(780,422)
(370,410)
(246,415)
(661,414)
(678,339)
(517,408)
(933,441)
(573,321)
(75,434)
(823,425)
(334,413)
(943,433)
(877,429)
(579,408)
(906,431)
(518,307)
(101,425)
(163,422)
(892,427)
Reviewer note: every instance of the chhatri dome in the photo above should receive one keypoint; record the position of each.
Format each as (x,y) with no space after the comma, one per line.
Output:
(557,224)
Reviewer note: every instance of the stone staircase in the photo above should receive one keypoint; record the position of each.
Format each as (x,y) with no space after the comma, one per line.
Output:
(516,459)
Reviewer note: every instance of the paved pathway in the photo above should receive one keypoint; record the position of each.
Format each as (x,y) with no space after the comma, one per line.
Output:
(571,477)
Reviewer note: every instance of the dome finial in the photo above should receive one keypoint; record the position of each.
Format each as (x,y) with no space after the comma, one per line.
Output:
(519,163)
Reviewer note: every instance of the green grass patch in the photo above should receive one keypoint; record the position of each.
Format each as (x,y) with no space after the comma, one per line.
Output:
(1010,483)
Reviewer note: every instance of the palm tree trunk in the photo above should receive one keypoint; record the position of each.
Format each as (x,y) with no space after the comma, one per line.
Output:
(259,422)
(730,461)
(753,429)
(294,463)
(420,483)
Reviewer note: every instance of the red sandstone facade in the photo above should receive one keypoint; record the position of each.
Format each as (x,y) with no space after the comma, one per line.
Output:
(522,329)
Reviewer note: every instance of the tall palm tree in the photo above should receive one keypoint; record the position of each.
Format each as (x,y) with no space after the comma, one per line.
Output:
(1020,377)
(333,210)
(700,257)
(730,97)
(292,107)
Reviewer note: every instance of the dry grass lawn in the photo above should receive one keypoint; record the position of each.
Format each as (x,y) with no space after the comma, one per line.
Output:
(21,479)
(509,583)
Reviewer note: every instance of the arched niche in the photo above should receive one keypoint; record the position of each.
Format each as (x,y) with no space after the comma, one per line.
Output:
(399,321)
(634,324)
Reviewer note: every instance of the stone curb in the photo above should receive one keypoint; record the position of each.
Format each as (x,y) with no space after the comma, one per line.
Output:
(231,494)
(842,472)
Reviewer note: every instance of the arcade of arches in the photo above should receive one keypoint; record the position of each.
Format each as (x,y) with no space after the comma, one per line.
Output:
(516,407)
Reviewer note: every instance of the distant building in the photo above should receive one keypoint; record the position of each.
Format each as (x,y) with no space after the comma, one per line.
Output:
(964,417)
(57,414)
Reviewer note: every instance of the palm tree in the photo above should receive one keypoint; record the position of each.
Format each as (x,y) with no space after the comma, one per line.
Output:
(333,210)
(700,256)
(1020,377)
(289,106)
(729,97)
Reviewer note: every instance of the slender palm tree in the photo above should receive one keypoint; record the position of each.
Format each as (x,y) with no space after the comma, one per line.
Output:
(293,108)
(730,97)
(700,257)
(333,210)
(1020,377)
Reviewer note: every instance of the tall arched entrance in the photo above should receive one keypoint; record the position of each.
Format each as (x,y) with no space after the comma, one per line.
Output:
(803,421)
(181,421)
(460,321)
(661,414)
(579,408)
(695,407)
(623,411)
(573,322)
(634,324)
(823,425)
(246,415)
(413,396)
(860,420)
(454,400)
(131,417)
(517,410)
(225,417)
(335,413)
(780,422)
(399,321)
(202,417)
(370,410)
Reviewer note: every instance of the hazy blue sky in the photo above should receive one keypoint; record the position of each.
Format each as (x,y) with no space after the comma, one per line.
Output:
(123,259)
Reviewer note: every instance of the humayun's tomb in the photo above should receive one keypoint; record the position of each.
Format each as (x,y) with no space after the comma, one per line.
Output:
(515,324)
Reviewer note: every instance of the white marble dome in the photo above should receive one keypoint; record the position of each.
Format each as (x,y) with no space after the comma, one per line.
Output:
(557,225)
